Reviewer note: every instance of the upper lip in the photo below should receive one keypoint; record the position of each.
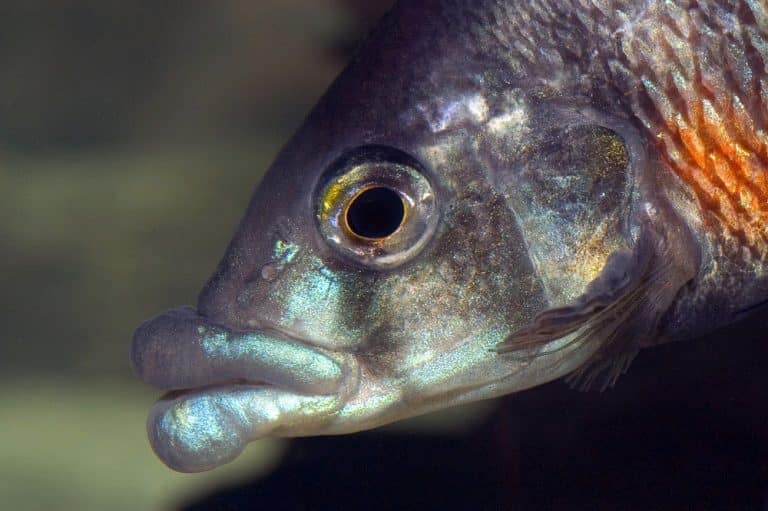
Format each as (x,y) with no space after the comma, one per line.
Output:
(180,349)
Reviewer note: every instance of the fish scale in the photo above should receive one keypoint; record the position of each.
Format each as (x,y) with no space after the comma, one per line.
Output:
(692,93)
(694,74)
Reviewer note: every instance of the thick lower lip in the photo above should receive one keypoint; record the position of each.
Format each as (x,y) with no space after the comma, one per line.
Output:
(179,349)
(228,387)
(192,431)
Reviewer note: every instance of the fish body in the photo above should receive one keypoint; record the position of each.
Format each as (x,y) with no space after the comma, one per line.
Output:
(494,194)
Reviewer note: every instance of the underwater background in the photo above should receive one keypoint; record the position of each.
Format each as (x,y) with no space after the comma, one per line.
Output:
(131,137)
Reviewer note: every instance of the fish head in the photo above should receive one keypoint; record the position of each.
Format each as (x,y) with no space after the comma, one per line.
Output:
(428,208)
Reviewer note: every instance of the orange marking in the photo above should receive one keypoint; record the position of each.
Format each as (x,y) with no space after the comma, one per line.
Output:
(721,155)
(694,145)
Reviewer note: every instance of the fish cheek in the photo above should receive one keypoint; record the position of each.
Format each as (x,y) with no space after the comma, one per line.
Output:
(473,285)
(312,299)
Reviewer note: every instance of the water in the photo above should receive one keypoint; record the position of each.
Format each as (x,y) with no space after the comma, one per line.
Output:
(131,136)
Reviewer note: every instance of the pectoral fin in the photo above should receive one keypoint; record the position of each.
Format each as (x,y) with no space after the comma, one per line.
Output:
(619,312)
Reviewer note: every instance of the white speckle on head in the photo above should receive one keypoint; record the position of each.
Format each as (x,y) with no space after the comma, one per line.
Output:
(512,120)
(507,121)
(455,111)
(650,210)
(478,108)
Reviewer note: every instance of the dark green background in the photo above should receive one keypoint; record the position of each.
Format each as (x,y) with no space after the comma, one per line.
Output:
(131,136)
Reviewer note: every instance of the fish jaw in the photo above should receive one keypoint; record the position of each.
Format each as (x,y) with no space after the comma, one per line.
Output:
(200,430)
(228,388)
(281,386)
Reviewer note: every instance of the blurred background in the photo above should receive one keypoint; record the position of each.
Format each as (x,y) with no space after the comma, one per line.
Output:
(131,137)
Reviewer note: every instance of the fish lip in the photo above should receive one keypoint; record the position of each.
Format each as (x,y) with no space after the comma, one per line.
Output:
(197,430)
(183,351)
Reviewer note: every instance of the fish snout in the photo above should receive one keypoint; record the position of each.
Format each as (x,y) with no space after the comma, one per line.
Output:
(179,349)
(230,387)
(154,352)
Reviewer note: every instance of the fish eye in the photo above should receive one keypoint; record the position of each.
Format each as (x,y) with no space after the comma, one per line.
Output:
(375,213)
(376,206)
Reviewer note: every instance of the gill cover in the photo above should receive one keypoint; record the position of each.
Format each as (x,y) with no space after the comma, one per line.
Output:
(610,252)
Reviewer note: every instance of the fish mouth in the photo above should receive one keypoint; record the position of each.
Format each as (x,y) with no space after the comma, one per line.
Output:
(180,349)
(228,387)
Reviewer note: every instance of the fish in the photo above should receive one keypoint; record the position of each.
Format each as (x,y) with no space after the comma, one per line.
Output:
(494,194)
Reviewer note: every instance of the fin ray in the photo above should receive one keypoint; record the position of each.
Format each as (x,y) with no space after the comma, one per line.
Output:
(618,321)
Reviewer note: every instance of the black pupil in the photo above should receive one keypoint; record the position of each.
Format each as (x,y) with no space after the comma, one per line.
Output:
(375,213)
